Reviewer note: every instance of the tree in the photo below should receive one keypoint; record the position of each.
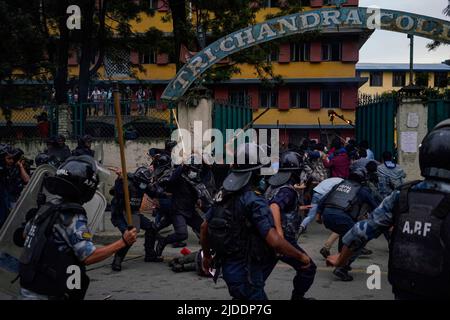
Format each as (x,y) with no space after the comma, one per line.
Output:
(215,19)
(436,44)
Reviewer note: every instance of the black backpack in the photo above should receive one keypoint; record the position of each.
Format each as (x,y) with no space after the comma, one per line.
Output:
(227,227)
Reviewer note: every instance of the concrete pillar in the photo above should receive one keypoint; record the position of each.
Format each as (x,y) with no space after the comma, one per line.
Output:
(64,120)
(188,115)
(412,127)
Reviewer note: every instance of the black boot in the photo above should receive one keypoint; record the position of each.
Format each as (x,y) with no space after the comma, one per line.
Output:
(149,246)
(342,273)
(117,263)
(160,247)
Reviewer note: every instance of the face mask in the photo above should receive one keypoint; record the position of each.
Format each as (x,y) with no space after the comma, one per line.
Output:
(142,186)
(192,175)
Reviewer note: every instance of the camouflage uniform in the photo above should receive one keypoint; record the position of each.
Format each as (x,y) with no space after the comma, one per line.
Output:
(70,232)
(381,218)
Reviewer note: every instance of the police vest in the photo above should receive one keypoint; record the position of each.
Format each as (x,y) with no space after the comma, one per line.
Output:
(290,219)
(231,234)
(136,196)
(419,256)
(344,196)
(43,268)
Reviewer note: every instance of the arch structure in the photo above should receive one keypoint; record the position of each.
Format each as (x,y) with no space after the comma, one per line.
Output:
(322,20)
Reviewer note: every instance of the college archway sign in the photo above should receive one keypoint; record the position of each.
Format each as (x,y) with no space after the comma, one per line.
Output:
(323,20)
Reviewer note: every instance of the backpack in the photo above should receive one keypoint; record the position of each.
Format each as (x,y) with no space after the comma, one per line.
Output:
(227,227)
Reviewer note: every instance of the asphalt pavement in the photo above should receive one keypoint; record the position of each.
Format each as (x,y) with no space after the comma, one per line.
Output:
(139,280)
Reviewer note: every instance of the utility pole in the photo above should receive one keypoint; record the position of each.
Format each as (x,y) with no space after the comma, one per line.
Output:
(411,59)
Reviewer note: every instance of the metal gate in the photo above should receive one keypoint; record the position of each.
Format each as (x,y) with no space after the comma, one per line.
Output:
(375,122)
(438,110)
(228,115)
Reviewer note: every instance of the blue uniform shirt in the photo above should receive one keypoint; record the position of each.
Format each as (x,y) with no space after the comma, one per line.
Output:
(257,211)
(71,231)
(286,199)
(381,218)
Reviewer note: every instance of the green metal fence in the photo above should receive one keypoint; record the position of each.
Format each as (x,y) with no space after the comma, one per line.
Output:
(228,115)
(438,110)
(375,122)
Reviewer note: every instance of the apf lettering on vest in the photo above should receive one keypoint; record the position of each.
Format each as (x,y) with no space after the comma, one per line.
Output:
(420,228)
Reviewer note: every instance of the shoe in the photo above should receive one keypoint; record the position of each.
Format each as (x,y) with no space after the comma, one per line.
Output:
(178,268)
(342,274)
(153,259)
(295,296)
(117,263)
(302,230)
(179,245)
(347,268)
(365,252)
(325,252)
(160,247)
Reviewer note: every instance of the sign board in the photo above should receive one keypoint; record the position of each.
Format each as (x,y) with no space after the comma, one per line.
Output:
(324,20)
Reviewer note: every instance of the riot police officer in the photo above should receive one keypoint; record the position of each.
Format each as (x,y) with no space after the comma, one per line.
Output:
(44,158)
(240,232)
(419,253)
(284,203)
(16,174)
(84,146)
(185,195)
(57,236)
(57,147)
(341,208)
(138,186)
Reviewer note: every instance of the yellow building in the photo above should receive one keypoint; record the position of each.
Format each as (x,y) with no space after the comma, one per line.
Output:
(386,77)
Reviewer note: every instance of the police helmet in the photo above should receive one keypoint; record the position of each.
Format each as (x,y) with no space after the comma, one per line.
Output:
(169,145)
(42,158)
(434,152)
(247,161)
(76,180)
(142,177)
(358,174)
(161,161)
(290,166)
(85,140)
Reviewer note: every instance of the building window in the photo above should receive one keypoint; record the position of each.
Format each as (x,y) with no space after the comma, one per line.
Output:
(238,96)
(269,99)
(300,51)
(422,79)
(273,56)
(331,98)
(271,4)
(299,98)
(376,79)
(441,79)
(151,4)
(148,57)
(399,79)
(331,51)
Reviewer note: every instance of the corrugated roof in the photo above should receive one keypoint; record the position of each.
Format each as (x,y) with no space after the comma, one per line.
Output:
(402,67)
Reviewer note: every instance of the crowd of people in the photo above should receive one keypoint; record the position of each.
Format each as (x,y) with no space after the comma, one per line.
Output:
(247,222)
(100,100)
(16,169)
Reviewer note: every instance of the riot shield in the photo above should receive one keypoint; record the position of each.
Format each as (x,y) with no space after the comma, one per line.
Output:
(9,252)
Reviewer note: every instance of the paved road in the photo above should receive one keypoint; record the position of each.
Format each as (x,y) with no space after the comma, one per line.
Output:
(140,280)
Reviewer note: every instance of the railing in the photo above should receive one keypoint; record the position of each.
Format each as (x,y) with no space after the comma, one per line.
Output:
(141,119)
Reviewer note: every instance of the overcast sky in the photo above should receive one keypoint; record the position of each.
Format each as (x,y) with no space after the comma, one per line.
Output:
(390,47)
